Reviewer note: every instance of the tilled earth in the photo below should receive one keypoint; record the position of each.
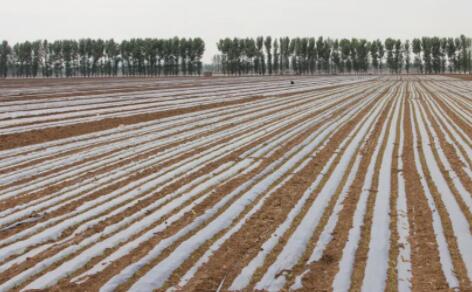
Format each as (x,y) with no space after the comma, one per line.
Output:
(342,183)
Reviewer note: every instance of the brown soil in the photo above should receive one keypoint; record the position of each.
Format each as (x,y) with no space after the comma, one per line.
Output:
(226,262)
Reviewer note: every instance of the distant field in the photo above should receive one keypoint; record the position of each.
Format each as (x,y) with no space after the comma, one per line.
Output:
(251,183)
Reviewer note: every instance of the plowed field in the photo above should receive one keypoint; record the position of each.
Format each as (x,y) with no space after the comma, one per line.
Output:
(342,183)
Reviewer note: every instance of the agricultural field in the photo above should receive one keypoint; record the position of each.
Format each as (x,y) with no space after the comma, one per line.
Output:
(347,183)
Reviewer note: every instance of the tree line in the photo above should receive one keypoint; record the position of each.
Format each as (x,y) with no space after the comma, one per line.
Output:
(265,55)
(97,57)
(261,55)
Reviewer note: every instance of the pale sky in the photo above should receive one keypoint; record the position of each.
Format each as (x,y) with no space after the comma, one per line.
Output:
(213,19)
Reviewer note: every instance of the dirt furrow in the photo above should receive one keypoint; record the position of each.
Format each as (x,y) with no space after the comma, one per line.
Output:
(236,184)
(457,261)
(258,227)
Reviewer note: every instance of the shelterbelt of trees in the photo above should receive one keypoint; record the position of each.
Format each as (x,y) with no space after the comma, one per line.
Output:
(265,55)
(97,57)
(237,56)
